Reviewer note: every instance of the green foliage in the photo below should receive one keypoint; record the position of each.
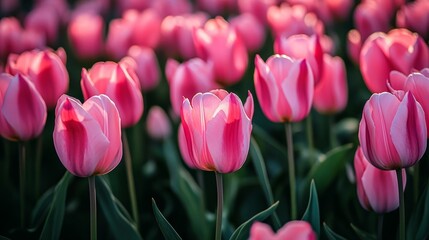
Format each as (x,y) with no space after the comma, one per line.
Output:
(311,214)
(418,224)
(166,228)
(331,234)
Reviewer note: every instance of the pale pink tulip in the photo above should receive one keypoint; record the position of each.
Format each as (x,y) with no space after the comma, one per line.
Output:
(46,69)
(85,33)
(377,189)
(22,109)
(118,82)
(330,95)
(187,79)
(217,129)
(158,124)
(251,31)
(415,17)
(219,42)
(293,230)
(284,88)
(87,137)
(398,50)
(392,131)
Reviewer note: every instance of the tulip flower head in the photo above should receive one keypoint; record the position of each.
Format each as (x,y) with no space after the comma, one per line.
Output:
(217,130)
(392,131)
(158,124)
(293,230)
(87,137)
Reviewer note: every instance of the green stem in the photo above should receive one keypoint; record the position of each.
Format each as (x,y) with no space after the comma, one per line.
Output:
(310,139)
(93,207)
(332,137)
(380,226)
(219,186)
(401,205)
(5,175)
(416,181)
(291,165)
(39,148)
(130,178)
(22,181)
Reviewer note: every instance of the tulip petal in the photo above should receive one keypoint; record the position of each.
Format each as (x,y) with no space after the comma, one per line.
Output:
(260,231)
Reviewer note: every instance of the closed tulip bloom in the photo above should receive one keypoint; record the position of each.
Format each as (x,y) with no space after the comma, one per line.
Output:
(158,124)
(369,17)
(120,84)
(85,33)
(293,230)
(251,31)
(284,88)
(414,16)
(219,42)
(46,20)
(399,50)
(354,45)
(217,130)
(377,189)
(330,94)
(22,109)
(46,69)
(87,137)
(392,131)
(183,147)
(187,79)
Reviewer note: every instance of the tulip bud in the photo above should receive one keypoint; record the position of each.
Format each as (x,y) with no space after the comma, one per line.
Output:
(293,230)
(85,33)
(158,124)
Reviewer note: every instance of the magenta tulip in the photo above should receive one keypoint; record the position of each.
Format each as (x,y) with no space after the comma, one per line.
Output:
(118,82)
(158,124)
(45,20)
(22,109)
(293,230)
(46,69)
(369,17)
(330,94)
(392,131)
(377,189)
(85,33)
(414,16)
(398,50)
(219,42)
(87,137)
(216,7)
(217,130)
(284,88)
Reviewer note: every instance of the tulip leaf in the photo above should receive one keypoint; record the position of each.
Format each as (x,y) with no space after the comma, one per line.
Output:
(119,225)
(262,134)
(166,228)
(242,232)
(362,234)
(261,171)
(417,225)
(54,220)
(41,209)
(331,234)
(311,214)
(326,170)
(185,188)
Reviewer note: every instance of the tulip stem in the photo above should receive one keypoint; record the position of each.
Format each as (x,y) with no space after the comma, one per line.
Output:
(5,175)
(200,178)
(219,186)
(416,182)
(332,137)
(130,177)
(309,126)
(291,165)
(93,207)
(38,166)
(22,181)
(401,205)
(380,226)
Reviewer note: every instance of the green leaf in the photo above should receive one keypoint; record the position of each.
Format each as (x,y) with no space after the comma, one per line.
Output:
(41,209)
(262,134)
(311,214)
(261,171)
(331,234)
(417,225)
(325,171)
(54,220)
(362,234)
(118,223)
(166,228)
(242,232)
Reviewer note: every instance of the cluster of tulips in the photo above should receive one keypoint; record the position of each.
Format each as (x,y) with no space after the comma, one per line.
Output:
(302,60)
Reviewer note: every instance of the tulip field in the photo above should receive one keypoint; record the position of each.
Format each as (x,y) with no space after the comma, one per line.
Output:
(214,119)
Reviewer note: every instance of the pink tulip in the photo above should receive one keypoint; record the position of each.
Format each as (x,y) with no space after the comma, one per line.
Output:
(219,42)
(87,137)
(44,19)
(417,83)
(177,34)
(354,45)
(290,20)
(293,230)
(326,10)
(377,189)
(183,147)
(284,88)
(330,95)
(251,31)
(46,69)
(398,50)
(85,33)
(392,131)
(138,5)
(158,124)
(22,109)
(258,8)
(144,63)
(415,17)
(217,7)
(217,130)
(187,79)
(118,38)
(120,84)
(369,17)
(301,46)
(171,7)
